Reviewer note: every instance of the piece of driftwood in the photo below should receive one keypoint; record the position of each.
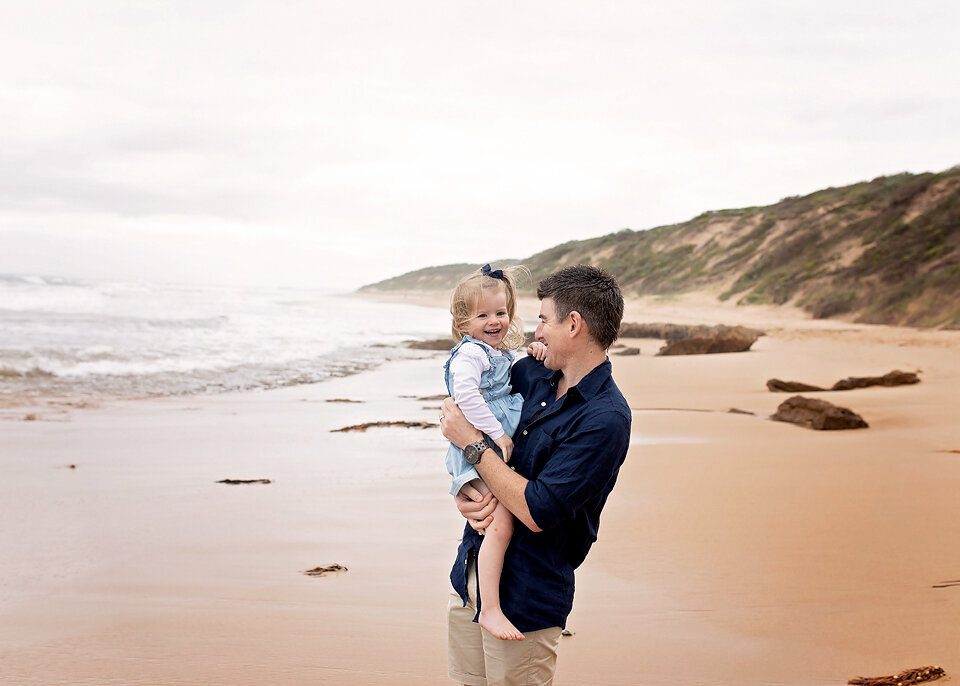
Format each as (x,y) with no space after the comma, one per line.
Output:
(894,378)
(342,400)
(324,570)
(947,584)
(237,482)
(402,424)
(779,386)
(909,676)
(627,351)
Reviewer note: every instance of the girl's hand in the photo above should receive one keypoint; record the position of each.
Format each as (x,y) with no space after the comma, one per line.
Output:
(505,443)
(537,350)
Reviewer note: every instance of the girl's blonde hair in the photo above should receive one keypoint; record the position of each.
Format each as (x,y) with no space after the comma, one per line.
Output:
(466,296)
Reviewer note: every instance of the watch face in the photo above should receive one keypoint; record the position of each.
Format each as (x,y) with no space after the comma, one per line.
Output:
(472,453)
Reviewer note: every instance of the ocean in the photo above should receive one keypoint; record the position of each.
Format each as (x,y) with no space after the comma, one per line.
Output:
(77,338)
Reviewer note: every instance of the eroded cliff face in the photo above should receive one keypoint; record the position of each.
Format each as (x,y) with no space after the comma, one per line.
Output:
(885,251)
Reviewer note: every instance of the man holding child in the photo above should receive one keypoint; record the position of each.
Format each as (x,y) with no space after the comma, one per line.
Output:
(572,438)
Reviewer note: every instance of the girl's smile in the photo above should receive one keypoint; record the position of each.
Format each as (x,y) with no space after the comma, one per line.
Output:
(490,321)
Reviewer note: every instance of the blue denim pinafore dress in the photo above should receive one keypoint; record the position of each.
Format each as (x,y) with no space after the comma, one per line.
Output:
(495,388)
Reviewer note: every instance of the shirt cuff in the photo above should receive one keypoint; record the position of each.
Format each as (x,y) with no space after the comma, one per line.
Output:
(540,504)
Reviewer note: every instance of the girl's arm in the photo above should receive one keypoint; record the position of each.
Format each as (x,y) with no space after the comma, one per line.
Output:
(466,367)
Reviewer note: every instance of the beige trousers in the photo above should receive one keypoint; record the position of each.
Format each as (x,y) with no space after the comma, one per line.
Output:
(476,658)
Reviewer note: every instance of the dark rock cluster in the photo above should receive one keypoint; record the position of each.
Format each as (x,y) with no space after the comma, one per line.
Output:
(817,414)
(712,339)
(894,378)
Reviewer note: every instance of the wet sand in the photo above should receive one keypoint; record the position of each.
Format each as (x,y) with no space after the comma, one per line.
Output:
(734,550)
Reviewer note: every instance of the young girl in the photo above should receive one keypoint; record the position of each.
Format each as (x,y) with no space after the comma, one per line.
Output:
(477,375)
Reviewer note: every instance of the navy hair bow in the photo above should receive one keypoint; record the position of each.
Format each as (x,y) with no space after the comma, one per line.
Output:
(495,273)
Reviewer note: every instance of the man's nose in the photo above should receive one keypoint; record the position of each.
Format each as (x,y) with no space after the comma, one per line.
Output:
(538,334)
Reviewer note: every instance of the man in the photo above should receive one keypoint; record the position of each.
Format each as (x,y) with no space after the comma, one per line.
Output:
(573,436)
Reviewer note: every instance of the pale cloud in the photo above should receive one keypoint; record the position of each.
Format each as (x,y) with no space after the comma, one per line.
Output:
(252,142)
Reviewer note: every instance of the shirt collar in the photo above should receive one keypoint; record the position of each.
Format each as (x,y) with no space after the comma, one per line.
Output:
(589,385)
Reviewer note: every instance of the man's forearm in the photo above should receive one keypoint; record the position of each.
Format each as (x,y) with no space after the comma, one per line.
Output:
(508,486)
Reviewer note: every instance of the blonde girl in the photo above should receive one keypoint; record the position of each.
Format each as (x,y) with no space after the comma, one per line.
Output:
(477,375)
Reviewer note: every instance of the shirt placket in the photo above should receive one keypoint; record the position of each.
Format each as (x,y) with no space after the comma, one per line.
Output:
(545,412)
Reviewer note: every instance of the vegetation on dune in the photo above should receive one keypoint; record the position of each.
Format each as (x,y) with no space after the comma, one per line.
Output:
(882,251)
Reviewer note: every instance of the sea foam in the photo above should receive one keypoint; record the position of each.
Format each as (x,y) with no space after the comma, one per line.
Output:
(63,336)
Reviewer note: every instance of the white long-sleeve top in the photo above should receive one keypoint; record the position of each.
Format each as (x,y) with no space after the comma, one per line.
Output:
(465,368)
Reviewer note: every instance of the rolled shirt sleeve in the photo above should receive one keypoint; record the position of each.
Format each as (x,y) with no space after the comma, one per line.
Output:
(581,468)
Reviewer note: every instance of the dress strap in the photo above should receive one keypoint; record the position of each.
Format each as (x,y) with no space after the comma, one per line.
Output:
(485,348)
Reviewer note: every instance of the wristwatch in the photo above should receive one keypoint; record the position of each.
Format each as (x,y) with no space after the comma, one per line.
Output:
(473,451)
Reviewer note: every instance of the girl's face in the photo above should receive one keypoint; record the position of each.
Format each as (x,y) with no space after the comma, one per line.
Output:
(489,322)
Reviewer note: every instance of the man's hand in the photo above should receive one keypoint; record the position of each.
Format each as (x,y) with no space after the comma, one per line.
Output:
(477,509)
(455,427)
(495,473)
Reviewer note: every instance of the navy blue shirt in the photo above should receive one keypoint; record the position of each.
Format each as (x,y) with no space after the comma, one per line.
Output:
(570,450)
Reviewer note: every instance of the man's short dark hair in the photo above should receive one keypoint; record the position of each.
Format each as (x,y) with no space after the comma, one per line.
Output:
(592,292)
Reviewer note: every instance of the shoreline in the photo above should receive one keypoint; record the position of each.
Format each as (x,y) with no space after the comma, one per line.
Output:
(690,309)
(734,549)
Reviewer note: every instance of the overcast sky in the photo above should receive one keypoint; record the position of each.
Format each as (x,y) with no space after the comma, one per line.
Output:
(333,144)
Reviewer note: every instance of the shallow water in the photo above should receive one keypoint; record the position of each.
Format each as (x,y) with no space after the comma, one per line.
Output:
(72,337)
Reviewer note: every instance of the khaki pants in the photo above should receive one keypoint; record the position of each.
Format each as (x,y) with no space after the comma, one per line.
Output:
(476,658)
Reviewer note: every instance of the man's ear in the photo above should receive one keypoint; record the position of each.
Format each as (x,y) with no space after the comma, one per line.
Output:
(577,325)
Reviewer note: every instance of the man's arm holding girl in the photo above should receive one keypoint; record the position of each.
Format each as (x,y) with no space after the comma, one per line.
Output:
(581,467)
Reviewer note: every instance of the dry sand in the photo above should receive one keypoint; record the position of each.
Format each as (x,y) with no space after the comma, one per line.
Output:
(734,550)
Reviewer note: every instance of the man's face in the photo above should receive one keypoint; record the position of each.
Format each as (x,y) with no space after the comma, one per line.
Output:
(551,332)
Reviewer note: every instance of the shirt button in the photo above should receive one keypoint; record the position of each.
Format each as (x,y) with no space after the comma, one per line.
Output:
(524,432)
(514,468)
(543,404)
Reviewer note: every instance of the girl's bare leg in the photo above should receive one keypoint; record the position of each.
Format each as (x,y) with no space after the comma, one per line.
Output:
(496,538)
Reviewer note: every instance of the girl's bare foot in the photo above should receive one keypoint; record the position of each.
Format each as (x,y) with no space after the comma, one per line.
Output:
(497,624)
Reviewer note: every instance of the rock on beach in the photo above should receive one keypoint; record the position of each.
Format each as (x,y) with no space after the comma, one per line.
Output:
(894,378)
(712,339)
(817,414)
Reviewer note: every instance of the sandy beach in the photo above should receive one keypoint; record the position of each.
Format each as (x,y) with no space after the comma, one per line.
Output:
(734,549)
